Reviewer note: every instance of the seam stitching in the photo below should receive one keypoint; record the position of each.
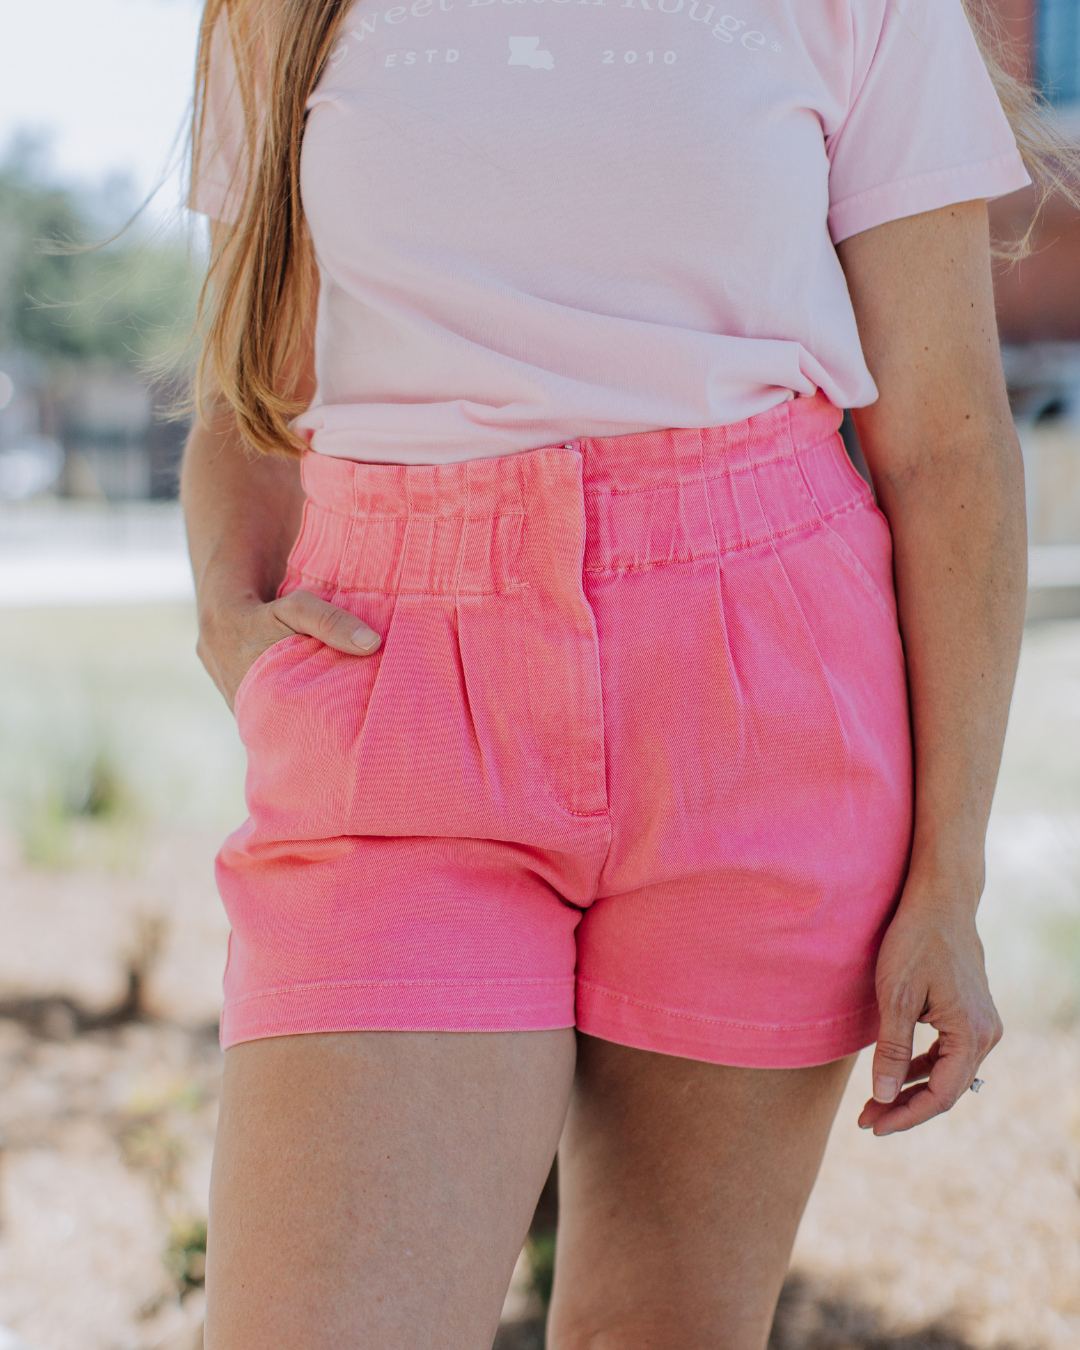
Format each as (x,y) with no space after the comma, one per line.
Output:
(704,477)
(772,1027)
(559,981)
(804,527)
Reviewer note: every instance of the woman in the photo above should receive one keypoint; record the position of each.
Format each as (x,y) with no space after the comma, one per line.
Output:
(565,644)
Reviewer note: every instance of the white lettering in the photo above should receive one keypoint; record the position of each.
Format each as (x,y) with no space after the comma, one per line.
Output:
(629,57)
(753,40)
(452,55)
(609,59)
(395,15)
(366,26)
(723,34)
(473,4)
(732,25)
(338,55)
(446,7)
(390,59)
(662,7)
(629,4)
(693,15)
(669,58)
(431,55)
(410,58)
(422,8)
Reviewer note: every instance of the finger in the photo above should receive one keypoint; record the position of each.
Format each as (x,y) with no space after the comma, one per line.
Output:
(950,1076)
(337,628)
(921,1065)
(892,1054)
(873,1111)
(918,1070)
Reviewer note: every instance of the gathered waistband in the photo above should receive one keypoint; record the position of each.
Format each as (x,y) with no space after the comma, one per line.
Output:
(607,503)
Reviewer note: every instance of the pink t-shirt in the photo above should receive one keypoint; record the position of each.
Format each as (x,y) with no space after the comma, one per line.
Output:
(543,219)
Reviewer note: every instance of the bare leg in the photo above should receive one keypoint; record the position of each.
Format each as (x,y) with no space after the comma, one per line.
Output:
(681,1187)
(373,1189)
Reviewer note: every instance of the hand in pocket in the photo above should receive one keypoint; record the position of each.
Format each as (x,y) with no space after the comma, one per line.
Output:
(232,639)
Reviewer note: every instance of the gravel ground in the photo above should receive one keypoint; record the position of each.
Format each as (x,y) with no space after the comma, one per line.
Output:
(120,773)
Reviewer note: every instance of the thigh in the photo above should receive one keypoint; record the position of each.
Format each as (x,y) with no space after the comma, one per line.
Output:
(681,1186)
(374,1188)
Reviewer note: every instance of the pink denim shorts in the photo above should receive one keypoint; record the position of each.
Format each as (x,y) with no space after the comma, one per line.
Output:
(634,755)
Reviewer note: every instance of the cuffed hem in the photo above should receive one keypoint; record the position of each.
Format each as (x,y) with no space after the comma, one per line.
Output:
(927,192)
(616,1017)
(399,1005)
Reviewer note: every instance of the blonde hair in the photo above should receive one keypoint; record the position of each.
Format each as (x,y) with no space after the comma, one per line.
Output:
(255,304)
(256,299)
(1049,151)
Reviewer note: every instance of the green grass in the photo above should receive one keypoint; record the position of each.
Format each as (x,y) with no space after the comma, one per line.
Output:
(540,1253)
(110,731)
(185,1256)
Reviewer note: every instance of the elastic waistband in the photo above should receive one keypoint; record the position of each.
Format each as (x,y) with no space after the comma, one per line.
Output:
(482,488)
(595,504)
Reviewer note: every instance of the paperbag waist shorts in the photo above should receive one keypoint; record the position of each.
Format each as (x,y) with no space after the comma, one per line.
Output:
(634,754)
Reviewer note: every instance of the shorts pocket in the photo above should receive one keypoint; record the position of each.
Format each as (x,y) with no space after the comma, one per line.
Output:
(301,713)
(264,658)
(862,541)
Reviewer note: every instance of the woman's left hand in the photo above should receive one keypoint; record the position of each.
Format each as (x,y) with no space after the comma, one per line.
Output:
(930,969)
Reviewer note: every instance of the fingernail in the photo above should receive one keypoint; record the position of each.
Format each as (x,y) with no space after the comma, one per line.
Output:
(365,639)
(885,1089)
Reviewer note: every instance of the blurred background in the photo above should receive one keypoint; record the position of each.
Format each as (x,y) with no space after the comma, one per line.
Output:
(120,772)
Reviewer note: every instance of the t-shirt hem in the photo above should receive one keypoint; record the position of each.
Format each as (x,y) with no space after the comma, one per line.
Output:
(927,192)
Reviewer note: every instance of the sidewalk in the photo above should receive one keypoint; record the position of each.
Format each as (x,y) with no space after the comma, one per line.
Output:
(68,553)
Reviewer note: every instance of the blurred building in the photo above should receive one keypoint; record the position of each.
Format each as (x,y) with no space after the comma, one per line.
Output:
(1039,299)
(1038,308)
(90,429)
(86,316)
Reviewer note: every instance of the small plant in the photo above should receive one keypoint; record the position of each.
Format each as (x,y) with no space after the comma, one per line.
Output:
(97,793)
(185,1256)
(1061,939)
(78,810)
(149,1146)
(540,1253)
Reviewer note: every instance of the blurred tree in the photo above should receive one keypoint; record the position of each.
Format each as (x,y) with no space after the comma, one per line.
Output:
(126,302)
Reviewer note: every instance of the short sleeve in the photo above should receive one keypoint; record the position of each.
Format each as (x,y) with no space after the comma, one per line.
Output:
(217,177)
(924,127)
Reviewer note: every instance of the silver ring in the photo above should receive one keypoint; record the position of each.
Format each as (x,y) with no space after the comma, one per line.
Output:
(977,1084)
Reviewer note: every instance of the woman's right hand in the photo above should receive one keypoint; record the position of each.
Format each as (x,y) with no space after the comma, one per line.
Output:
(237,634)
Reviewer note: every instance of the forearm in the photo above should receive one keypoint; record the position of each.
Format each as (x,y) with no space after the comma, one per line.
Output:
(957,516)
(242,513)
(947,470)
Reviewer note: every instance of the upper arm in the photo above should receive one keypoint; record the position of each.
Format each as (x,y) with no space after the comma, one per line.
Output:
(923,298)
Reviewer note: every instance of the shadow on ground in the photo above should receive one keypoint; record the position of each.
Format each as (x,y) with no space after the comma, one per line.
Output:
(805,1320)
